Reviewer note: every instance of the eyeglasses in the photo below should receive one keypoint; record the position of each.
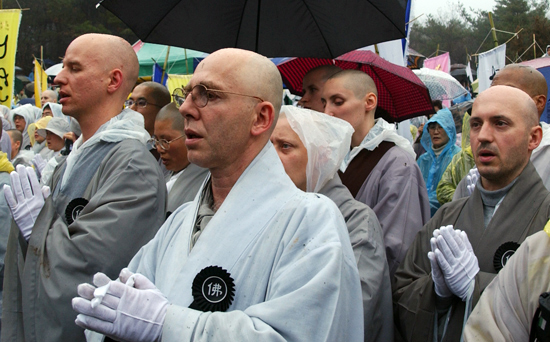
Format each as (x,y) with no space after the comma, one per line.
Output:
(163,143)
(434,127)
(141,103)
(200,95)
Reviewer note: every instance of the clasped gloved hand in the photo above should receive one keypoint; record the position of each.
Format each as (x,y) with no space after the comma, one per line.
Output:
(456,259)
(39,164)
(124,312)
(441,288)
(471,180)
(25,197)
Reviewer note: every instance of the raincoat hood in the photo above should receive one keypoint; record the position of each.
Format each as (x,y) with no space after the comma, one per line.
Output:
(327,140)
(433,167)
(28,112)
(5,165)
(444,118)
(39,124)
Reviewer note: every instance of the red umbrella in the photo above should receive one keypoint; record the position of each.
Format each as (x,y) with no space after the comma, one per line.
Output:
(401,94)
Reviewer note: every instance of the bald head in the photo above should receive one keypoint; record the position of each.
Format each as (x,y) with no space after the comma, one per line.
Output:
(525,78)
(113,53)
(251,73)
(357,81)
(170,113)
(157,92)
(48,95)
(324,71)
(518,102)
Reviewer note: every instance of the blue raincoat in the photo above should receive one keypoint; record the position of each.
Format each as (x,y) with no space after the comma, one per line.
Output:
(433,167)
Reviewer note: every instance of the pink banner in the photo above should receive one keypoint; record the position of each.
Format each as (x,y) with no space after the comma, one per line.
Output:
(441,62)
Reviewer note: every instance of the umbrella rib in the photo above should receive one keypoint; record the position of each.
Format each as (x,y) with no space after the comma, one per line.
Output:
(391,21)
(158,21)
(241,24)
(318,28)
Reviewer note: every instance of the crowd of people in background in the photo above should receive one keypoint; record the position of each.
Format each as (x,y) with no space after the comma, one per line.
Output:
(216,213)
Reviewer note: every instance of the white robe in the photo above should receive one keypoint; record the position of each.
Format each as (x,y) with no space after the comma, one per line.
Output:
(288,252)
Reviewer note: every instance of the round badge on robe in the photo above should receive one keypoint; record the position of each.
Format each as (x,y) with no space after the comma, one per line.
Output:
(213,290)
(503,253)
(74,208)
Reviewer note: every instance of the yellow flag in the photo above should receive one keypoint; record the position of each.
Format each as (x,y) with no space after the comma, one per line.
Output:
(9,30)
(177,81)
(40,82)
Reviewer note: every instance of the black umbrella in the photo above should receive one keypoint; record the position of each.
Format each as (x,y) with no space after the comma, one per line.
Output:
(274,28)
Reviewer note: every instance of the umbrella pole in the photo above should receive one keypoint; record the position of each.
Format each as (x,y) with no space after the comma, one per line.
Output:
(186,63)
(164,68)
(258,25)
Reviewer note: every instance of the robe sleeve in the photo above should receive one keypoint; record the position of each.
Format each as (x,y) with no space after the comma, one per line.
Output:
(310,266)
(506,308)
(401,206)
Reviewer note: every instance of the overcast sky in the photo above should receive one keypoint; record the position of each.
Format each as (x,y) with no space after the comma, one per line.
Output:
(437,7)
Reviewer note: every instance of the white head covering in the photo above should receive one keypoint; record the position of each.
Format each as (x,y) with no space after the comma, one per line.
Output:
(4,112)
(29,114)
(327,140)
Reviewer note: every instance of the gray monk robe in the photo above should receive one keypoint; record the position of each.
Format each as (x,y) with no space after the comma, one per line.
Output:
(186,187)
(366,239)
(524,210)
(126,208)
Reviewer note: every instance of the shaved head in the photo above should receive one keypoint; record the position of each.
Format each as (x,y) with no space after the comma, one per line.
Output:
(113,53)
(158,93)
(325,71)
(170,113)
(517,100)
(357,81)
(525,78)
(249,73)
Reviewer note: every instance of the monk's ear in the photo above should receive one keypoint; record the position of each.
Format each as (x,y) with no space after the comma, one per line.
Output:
(264,118)
(115,80)
(540,101)
(535,137)
(370,102)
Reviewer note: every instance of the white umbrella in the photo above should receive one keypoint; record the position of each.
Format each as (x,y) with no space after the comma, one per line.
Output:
(441,85)
(54,69)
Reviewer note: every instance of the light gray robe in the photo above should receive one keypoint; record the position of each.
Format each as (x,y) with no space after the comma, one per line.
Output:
(126,207)
(288,252)
(396,191)
(368,247)
(186,187)
(524,211)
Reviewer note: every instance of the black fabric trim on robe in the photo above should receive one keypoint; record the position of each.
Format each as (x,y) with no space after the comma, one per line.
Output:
(362,165)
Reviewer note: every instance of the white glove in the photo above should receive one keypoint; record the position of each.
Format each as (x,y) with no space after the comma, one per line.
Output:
(441,288)
(471,179)
(457,260)
(39,164)
(27,198)
(125,313)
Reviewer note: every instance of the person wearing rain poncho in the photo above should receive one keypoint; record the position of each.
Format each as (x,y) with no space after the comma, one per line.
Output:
(311,146)
(38,142)
(459,166)
(107,198)
(21,118)
(439,143)
(5,217)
